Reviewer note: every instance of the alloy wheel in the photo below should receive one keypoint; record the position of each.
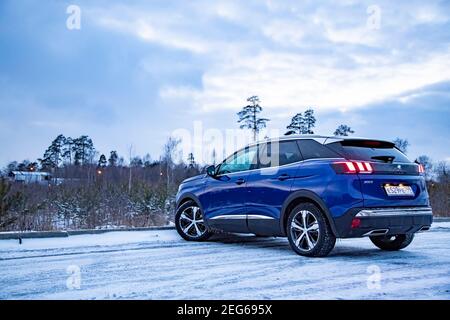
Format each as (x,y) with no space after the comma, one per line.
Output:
(192,223)
(305,230)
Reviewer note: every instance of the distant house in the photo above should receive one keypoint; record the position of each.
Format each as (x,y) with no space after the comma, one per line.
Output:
(30,177)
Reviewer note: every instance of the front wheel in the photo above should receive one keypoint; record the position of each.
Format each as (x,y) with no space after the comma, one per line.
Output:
(308,231)
(393,243)
(190,223)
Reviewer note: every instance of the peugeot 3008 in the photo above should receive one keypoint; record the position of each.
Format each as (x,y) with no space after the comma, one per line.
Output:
(312,189)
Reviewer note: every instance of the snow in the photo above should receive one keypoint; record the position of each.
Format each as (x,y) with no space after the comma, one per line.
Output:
(160,265)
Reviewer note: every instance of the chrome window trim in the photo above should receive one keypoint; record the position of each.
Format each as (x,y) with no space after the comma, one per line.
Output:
(324,140)
(276,167)
(394,212)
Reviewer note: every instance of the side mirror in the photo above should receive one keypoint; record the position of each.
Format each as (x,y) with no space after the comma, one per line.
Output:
(211,171)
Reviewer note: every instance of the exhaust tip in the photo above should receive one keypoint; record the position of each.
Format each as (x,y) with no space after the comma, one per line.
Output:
(424,228)
(376,232)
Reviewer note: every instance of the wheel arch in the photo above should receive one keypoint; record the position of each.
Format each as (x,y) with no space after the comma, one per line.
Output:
(190,197)
(304,196)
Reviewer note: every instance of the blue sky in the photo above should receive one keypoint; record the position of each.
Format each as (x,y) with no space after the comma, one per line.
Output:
(138,70)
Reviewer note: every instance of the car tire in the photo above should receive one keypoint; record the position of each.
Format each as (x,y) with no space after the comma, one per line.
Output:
(190,223)
(393,243)
(309,232)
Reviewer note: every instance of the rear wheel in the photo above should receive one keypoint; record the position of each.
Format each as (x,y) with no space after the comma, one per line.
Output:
(393,243)
(308,231)
(190,223)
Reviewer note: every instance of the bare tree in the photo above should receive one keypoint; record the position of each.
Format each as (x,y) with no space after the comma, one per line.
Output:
(169,153)
(402,144)
(427,165)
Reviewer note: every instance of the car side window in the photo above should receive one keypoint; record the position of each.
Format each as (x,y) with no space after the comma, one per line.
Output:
(273,154)
(242,160)
(312,149)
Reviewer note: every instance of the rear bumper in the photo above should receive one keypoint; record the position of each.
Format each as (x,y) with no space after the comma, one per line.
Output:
(388,221)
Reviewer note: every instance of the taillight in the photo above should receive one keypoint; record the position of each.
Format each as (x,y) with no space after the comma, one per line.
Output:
(421,168)
(352,167)
(355,223)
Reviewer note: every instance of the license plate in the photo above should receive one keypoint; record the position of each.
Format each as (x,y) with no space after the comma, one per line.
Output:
(399,190)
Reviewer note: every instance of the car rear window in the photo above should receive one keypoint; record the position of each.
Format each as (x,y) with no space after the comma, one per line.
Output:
(369,150)
(311,149)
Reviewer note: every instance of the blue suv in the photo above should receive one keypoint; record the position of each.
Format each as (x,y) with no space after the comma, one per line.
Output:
(312,189)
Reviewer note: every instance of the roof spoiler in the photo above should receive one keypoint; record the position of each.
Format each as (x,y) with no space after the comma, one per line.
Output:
(367,143)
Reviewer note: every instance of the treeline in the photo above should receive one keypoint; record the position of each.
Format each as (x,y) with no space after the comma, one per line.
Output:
(438,185)
(87,190)
(92,190)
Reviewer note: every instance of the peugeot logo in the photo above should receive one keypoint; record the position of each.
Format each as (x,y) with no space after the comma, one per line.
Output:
(399,167)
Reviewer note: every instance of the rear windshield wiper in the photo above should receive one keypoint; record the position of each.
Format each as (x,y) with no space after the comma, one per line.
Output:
(388,159)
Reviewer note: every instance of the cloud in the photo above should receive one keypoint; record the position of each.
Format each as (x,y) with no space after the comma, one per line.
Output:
(143,28)
(138,70)
(284,32)
(288,81)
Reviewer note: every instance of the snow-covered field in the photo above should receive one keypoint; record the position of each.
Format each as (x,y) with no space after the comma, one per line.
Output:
(159,265)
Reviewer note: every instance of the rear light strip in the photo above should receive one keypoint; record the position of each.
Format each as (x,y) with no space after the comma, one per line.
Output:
(353,167)
(421,168)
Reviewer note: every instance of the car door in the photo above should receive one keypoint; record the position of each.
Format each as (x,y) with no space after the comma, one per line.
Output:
(270,185)
(226,196)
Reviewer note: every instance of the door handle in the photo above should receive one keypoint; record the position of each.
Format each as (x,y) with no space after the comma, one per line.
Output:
(283,177)
(240,181)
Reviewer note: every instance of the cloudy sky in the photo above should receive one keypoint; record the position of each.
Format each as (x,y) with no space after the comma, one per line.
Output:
(137,71)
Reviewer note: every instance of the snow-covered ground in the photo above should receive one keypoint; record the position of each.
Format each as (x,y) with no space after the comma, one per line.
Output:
(159,265)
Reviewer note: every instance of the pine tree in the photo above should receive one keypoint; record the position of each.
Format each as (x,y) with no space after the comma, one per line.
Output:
(102,161)
(309,121)
(84,150)
(113,159)
(23,166)
(248,116)
(302,124)
(343,130)
(297,125)
(53,156)
(68,150)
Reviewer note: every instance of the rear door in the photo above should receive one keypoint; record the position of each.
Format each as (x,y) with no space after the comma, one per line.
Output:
(270,185)
(394,181)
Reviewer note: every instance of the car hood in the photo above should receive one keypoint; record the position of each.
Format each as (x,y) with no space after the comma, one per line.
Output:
(194,178)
